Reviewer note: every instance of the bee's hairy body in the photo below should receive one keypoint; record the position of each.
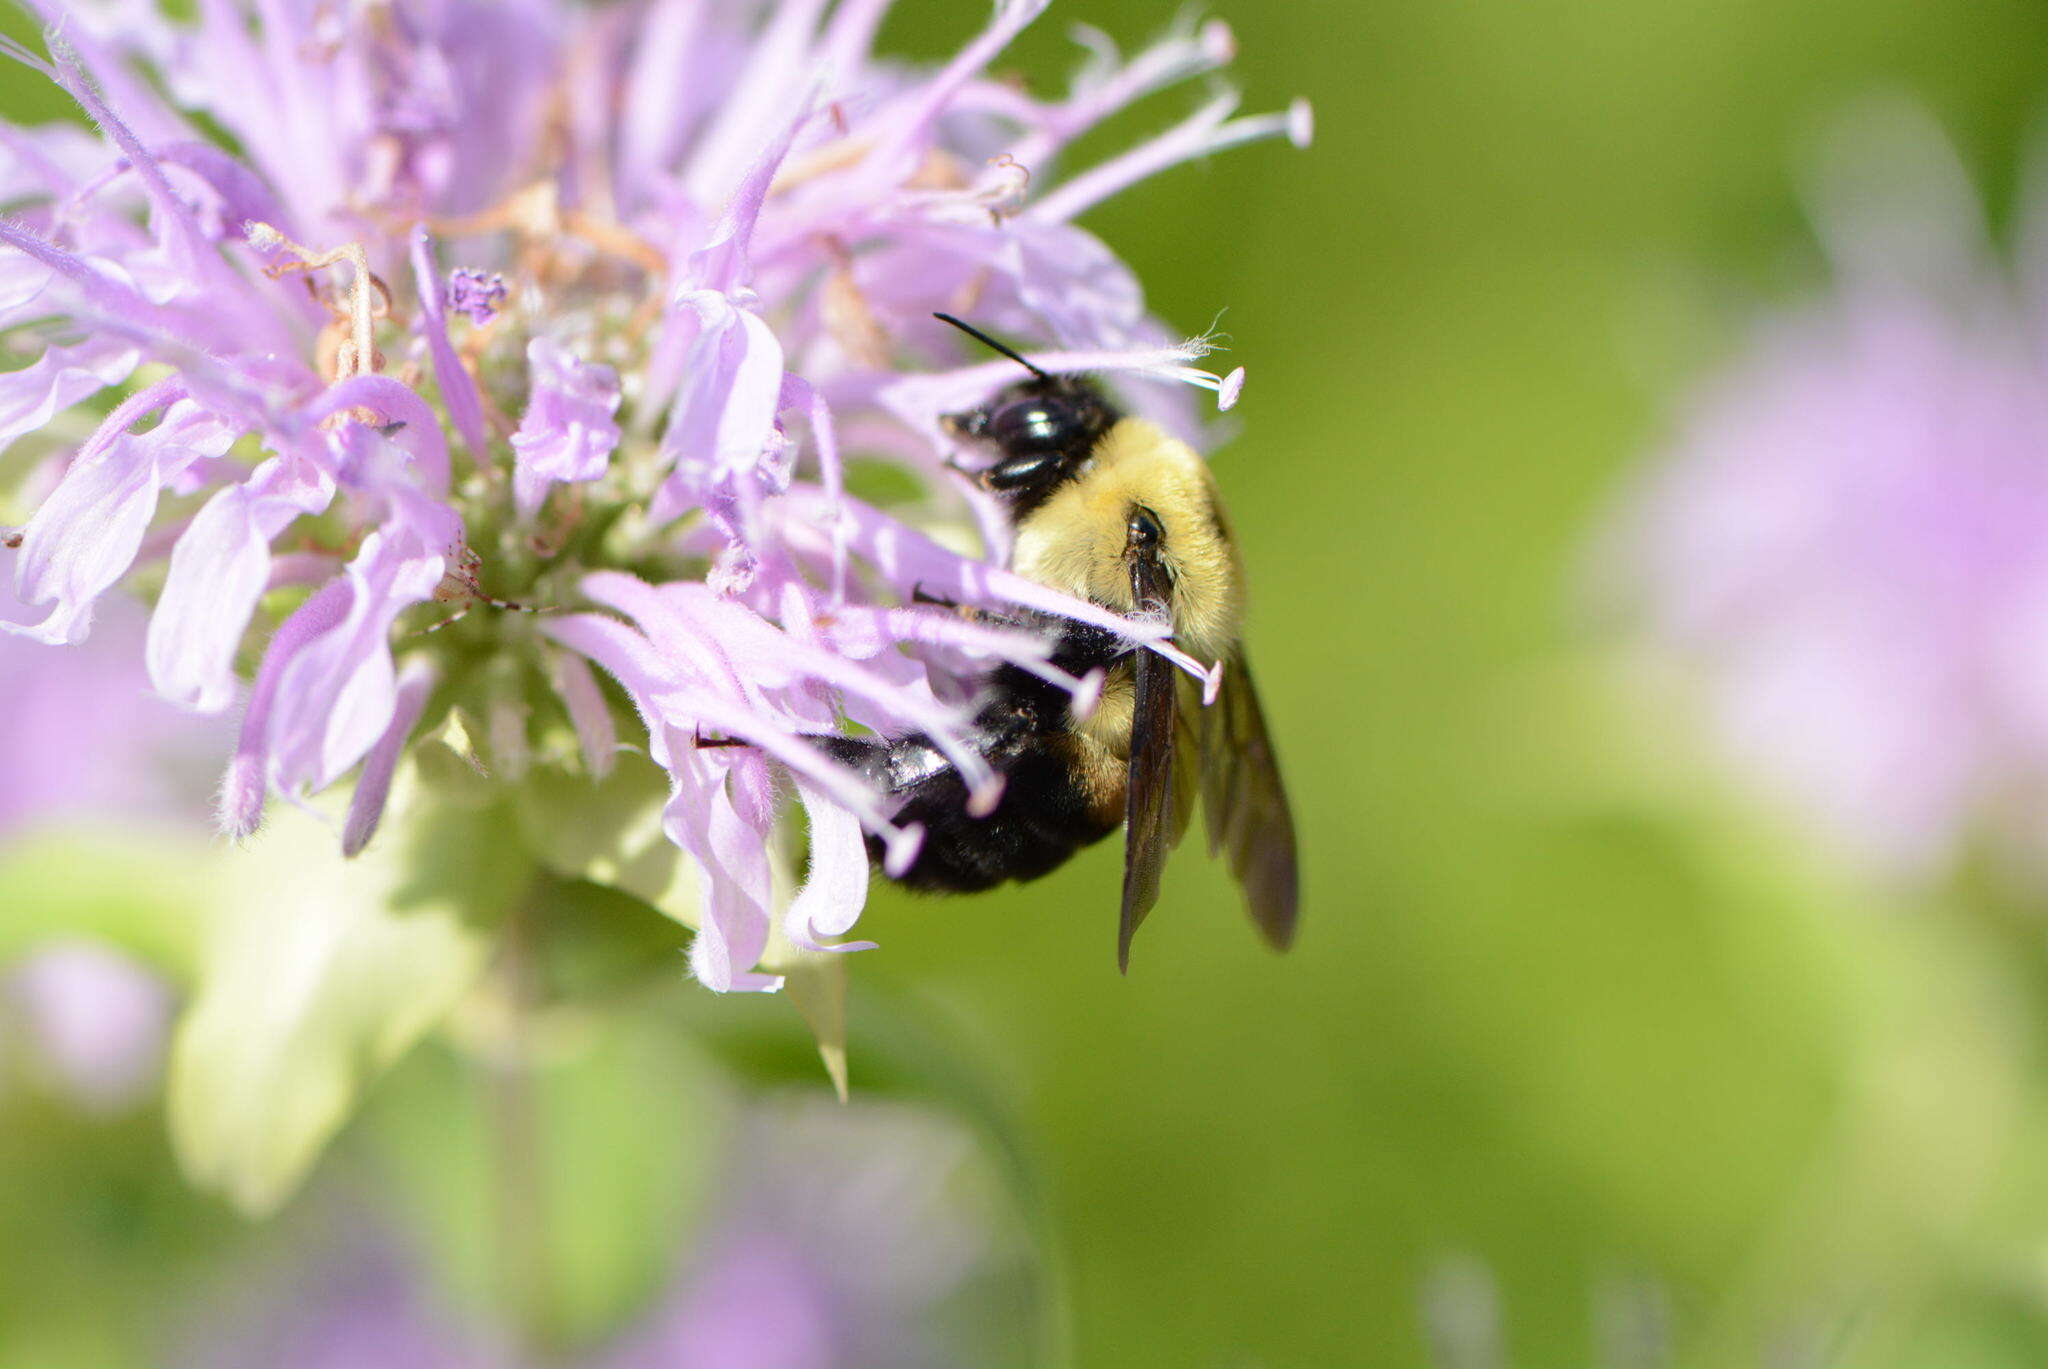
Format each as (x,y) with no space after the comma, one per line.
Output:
(1076,539)
(1115,511)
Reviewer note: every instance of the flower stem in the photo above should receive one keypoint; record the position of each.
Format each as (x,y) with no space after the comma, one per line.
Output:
(525,1276)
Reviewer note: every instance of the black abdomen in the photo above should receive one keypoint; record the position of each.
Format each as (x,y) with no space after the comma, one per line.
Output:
(1042,818)
(1045,813)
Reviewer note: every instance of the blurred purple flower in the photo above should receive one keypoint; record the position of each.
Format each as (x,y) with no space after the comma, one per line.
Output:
(730,222)
(785,1276)
(350,1296)
(85,742)
(1848,541)
(788,1275)
(83,736)
(92,1019)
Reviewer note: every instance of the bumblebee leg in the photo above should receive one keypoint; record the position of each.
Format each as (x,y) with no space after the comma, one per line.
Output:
(704,743)
(450,621)
(983,616)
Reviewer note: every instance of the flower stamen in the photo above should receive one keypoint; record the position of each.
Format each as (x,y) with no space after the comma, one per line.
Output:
(353,352)
(848,315)
(535,214)
(836,155)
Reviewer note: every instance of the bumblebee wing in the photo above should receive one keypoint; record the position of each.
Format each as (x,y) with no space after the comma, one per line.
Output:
(1150,826)
(1246,805)
(1187,756)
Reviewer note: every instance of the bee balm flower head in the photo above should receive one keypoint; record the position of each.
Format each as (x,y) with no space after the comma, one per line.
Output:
(1844,545)
(505,341)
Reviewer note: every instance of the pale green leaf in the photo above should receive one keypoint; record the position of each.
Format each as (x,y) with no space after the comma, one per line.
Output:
(557,1183)
(446,761)
(317,973)
(816,984)
(608,832)
(139,891)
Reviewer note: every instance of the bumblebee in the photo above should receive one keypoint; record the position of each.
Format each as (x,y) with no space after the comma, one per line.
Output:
(1113,510)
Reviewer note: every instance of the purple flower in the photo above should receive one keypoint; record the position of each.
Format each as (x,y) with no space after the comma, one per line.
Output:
(706,242)
(568,433)
(95,1020)
(1847,544)
(83,737)
(85,743)
(352,1295)
(784,1275)
(476,294)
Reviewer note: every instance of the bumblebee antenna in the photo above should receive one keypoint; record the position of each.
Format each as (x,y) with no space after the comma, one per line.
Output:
(985,340)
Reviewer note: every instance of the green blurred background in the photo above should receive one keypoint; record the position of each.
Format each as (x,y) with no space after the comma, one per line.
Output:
(1559,1005)
(1570,1019)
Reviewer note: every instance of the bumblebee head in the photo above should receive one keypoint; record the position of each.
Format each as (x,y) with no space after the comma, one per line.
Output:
(1042,430)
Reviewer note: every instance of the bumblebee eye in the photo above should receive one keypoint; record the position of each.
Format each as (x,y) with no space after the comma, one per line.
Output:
(1142,529)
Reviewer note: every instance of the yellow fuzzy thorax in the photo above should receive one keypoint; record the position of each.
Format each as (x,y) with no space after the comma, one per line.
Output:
(1075,541)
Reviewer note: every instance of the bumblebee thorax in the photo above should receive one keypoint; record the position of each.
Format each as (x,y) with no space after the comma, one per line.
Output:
(1076,540)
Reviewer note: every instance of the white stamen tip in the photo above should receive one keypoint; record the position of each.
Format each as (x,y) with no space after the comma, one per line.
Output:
(1212,684)
(1301,123)
(1218,43)
(1087,695)
(983,798)
(1230,389)
(262,234)
(900,849)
